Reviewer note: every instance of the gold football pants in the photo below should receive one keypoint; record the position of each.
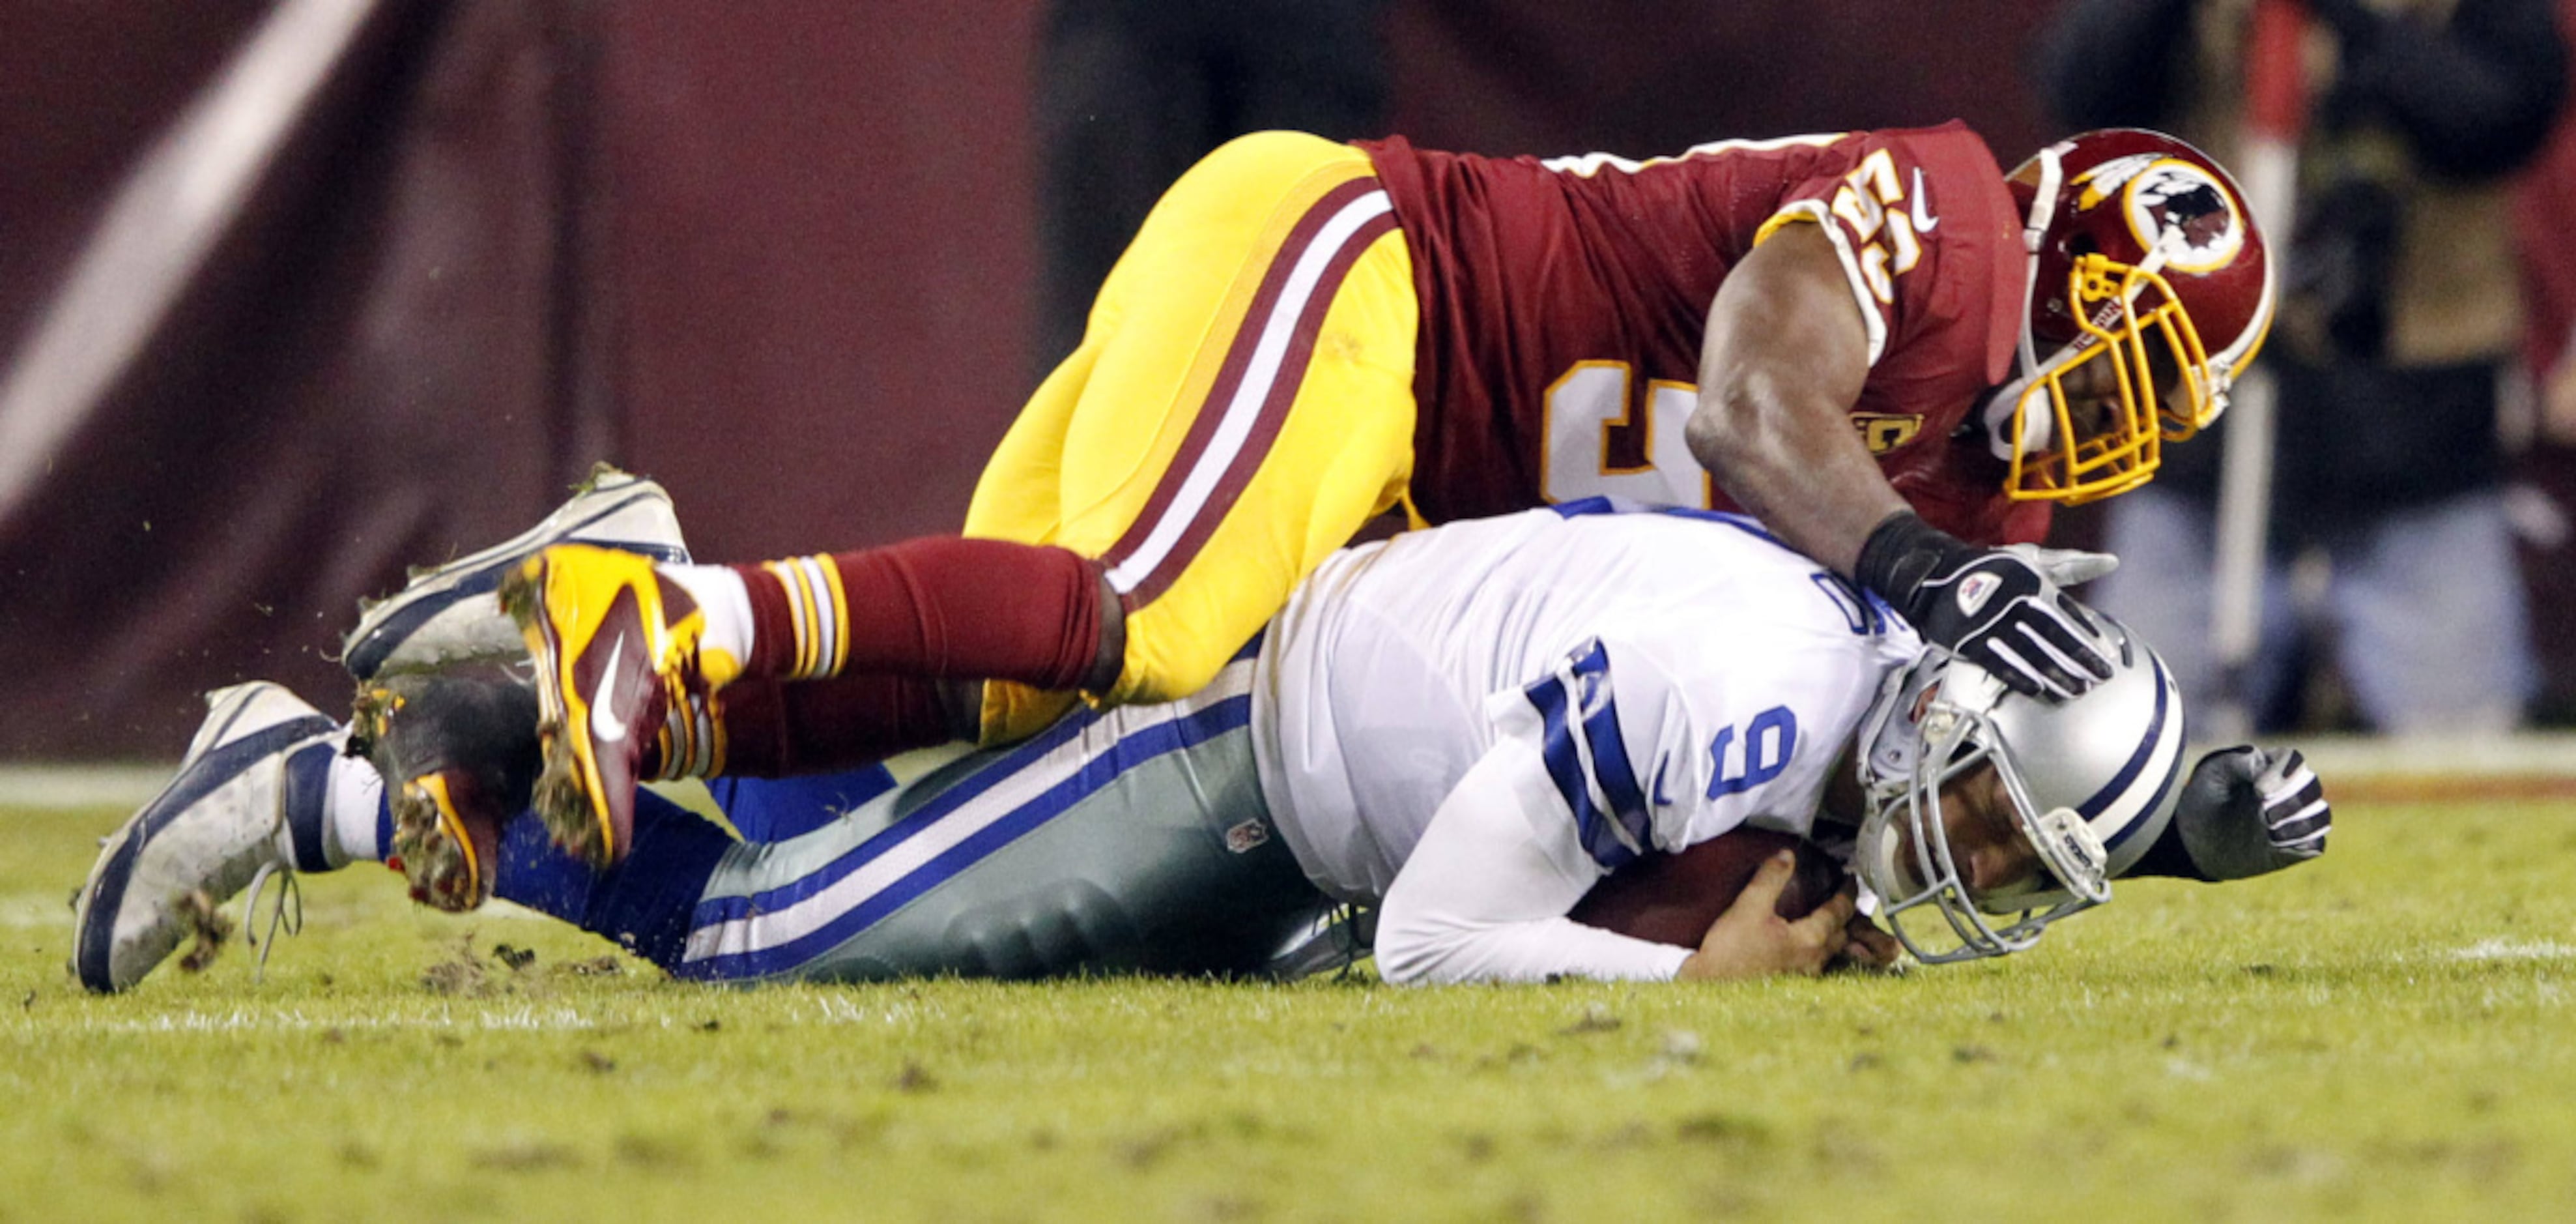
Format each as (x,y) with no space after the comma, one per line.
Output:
(1240,405)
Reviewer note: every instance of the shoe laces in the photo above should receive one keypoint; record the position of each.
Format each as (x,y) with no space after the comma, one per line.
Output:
(290,896)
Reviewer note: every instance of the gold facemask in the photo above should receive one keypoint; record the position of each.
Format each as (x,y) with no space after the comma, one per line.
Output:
(2076,448)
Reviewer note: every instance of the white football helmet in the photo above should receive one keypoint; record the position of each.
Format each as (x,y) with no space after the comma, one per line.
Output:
(2093,782)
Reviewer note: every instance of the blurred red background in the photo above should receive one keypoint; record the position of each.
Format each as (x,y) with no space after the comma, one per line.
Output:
(779,257)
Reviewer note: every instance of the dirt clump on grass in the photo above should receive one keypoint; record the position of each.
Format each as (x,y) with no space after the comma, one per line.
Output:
(508,970)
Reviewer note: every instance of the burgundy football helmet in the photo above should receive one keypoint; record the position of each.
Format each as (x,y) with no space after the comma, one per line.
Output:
(2143,257)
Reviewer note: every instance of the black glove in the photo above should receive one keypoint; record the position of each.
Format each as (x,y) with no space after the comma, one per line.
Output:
(1999,608)
(2247,811)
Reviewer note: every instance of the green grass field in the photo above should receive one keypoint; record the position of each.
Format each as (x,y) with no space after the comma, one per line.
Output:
(2382,1036)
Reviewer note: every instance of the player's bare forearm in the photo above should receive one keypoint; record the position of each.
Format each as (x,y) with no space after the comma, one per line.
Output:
(1783,361)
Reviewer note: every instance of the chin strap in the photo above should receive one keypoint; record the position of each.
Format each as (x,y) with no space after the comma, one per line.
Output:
(2043,211)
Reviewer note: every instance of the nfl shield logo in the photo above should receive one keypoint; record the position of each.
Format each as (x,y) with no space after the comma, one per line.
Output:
(1976,590)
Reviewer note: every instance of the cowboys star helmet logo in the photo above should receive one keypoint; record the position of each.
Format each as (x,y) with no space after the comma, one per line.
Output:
(2179,208)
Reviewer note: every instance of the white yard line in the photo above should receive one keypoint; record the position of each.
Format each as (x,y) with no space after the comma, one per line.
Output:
(2515,950)
(2533,754)
(249,1020)
(67,787)
(22,910)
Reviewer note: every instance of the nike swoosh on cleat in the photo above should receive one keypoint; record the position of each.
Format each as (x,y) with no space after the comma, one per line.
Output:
(1922,223)
(604,727)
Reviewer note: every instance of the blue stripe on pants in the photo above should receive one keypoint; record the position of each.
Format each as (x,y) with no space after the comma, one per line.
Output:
(1000,829)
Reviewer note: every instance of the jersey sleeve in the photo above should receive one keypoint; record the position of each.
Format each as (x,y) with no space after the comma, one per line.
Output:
(1484,895)
(1883,212)
(1659,740)
(1570,720)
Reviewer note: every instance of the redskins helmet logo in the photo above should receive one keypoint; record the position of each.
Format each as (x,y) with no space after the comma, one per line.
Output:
(2178,207)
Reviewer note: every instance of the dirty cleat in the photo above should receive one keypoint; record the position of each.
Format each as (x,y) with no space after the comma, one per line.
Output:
(458,752)
(447,614)
(218,827)
(616,650)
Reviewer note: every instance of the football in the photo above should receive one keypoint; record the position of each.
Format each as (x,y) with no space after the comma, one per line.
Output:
(1673,898)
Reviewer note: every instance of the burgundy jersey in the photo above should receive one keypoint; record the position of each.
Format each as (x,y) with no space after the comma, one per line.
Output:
(1564,303)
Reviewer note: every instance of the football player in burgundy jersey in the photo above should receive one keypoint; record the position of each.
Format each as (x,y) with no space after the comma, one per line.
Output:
(1887,349)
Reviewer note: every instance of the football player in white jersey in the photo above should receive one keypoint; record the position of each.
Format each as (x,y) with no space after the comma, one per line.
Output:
(1461,731)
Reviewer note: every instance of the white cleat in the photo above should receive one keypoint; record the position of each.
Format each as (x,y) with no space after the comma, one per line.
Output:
(218,827)
(449,615)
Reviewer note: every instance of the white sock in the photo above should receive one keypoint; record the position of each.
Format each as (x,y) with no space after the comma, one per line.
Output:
(355,814)
(726,604)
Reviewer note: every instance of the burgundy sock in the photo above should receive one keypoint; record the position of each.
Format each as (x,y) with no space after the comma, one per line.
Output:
(774,729)
(943,607)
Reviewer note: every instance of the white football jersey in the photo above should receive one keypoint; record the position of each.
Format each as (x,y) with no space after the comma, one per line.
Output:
(1680,672)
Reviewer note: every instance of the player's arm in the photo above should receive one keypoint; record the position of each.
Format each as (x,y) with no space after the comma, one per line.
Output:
(2245,812)
(1782,364)
(1484,895)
